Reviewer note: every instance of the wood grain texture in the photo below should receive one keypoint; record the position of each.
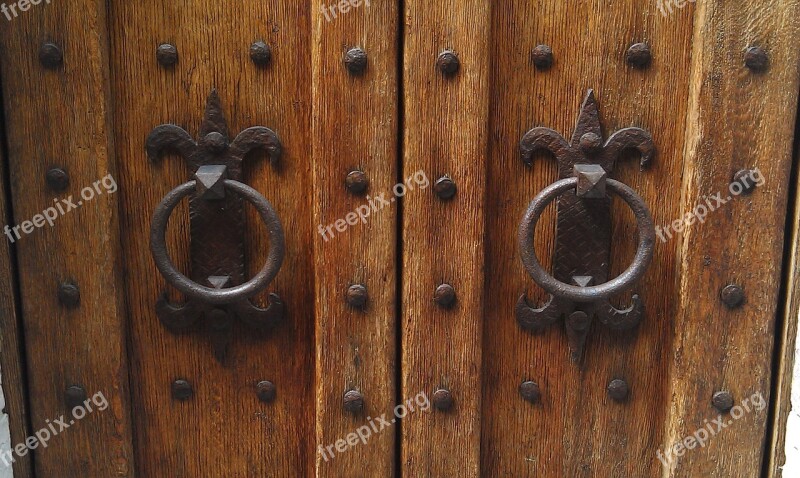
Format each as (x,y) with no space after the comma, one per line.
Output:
(355,128)
(12,364)
(62,117)
(445,133)
(787,342)
(736,120)
(224,430)
(577,430)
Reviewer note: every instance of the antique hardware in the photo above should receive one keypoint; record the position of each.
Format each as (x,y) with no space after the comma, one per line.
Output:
(732,296)
(722,401)
(542,57)
(445,188)
(578,287)
(265,390)
(356,182)
(618,390)
(57,179)
(353,401)
(260,53)
(448,63)
(167,55)
(182,390)
(69,294)
(356,61)
(744,178)
(756,59)
(445,296)
(442,400)
(639,55)
(217,229)
(75,396)
(50,56)
(530,392)
(357,296)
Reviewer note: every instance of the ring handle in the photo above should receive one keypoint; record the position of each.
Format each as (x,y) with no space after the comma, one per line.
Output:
(624,281)
(261,281)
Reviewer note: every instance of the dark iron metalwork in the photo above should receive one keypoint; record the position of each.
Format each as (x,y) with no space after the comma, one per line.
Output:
(75,396)
(579,287)
(356,61)
(618,390)
(217,229)
(722,401)
(357,296)
(266,391)
(448,63)
(746,179)
(50,56)
(732,296)
(445,188)
(443,400)
(357,182)
(57,179)
(260,53)
(182,390)
(542,57)
(530,392)
(756,59)
(639,55)
(445,296)
(353,401)
(69,294)
(167,55)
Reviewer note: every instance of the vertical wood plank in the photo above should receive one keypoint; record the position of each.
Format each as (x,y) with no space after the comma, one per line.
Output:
(12,365)
(62,117)
(737,119)
(446,129)
(355,128)
(224,430)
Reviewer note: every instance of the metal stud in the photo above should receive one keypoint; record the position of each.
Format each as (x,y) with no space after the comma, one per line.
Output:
(722,401)
(639,55)
(445,188)
(756,59)
(266,391)
(357,296)
(182,390)
(746,180)
(260,53)
(530,392)
(618,390)
(445,296)
(542,57)
(353,401)
(356,61)
(50,56)
(357,182)
(57,179)
(75,396)
(69,294)
(732,296)
(443,400)
(167,55)
(448,63)
(591,143)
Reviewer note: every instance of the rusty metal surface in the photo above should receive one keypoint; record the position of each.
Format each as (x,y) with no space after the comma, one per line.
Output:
(583,235)
(217,291)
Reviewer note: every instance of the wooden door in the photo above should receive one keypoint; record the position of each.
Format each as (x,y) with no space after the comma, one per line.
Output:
(400,184)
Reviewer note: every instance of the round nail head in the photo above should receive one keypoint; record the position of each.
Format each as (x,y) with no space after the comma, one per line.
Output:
(57,180)
(639,55)
(618,390)
(75,396)
(265,391)
(732,296)
(260,53)
(357,296)
(357,182)
(756,59)
(542,57)
(445,188)
(353,401)
(443,400)
(167,55)
(216,142)
(182,390)
(591,143)
(746,180)
(69,295)
(448,63)
(722,401)
(445,296)
(356,61)
(530,392)
(50,55)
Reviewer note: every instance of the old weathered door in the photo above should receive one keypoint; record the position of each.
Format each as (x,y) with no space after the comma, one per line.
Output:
(399,145)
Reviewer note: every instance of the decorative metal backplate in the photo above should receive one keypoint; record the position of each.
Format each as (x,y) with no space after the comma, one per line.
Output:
(583,236)
(217,224)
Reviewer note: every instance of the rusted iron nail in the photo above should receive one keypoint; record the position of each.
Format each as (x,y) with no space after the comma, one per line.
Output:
(445,188)
(445,296)
(356,61)
(69,294)
(50,55)
(542,57)
(265,391)
(746,179)
(216,142)
(756,59)
(443,400)
(639,55)
(357,182)
(167,55)
(722,401)
(618,390)
(579,321)
(732,296)
(591,181)
(75,396)
(357,296)
(591,143)
(530,392)
(57,179)
(448,63)
(260,53)
(182,390)
(353,401)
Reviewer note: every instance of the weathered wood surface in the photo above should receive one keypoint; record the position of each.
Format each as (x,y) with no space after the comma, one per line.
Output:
(62,117)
